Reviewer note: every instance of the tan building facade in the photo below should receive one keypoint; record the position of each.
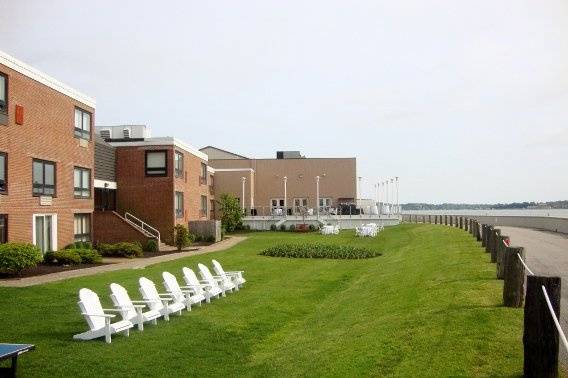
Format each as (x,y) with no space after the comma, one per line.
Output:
(265,181)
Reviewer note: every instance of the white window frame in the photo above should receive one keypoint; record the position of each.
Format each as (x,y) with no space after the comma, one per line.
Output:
(53,229)
(297,206)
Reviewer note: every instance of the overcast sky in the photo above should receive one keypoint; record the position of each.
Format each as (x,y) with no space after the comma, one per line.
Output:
(466,101)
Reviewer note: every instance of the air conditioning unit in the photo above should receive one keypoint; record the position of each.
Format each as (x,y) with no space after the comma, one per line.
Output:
(105,134)
(126,133)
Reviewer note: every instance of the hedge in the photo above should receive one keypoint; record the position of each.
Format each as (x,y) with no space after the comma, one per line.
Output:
(15,257)
(73,256)
(319,251)
(124,249)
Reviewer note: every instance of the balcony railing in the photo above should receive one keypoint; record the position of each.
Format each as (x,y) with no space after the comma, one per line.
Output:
(202,180)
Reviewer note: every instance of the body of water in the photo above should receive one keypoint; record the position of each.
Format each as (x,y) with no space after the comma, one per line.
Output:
(555,213)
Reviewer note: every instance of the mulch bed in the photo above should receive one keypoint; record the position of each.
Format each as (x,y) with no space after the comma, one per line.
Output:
(42,269)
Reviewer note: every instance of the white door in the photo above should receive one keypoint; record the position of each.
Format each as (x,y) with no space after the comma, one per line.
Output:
(45,235)
(300,205)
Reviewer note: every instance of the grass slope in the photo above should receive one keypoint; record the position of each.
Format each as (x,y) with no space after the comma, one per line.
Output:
(430,306)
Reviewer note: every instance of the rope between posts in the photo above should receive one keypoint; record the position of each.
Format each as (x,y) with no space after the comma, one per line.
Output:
(525,265)
(560,332)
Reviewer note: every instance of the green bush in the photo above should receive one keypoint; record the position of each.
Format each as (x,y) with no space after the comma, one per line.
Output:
(89,256)
(151,246)
(312,227)
(67,257)
(282,227)
(210,239)
(198,238)
(292,227)
(49,257)
(79,245)
(182,237)
(231,212)
(15,257)
(273,227)
(319,251)
(124,249)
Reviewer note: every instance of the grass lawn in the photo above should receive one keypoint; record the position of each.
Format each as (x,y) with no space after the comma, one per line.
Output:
(429,306)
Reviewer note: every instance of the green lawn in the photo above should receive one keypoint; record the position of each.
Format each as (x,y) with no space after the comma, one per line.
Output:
(429,306)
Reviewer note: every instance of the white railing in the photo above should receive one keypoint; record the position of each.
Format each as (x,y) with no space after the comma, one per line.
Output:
(324,212)
(136,222)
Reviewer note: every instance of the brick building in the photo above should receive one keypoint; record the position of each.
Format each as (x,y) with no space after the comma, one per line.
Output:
(158,181)
(46,158)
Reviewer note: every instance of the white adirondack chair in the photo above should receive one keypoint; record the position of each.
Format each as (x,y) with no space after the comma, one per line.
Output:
(132,311)
(212,280)
(236,277)
(179,294)
(99,322)
(157,301)
(198,288)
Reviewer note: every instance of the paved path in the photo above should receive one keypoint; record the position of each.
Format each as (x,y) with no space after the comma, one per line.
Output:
(546,254)
(121,264)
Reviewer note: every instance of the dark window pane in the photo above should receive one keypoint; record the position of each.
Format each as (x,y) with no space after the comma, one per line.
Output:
(38,173)
(3,228)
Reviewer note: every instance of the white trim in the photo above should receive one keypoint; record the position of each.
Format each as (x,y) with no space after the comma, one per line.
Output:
(163,141)
(101,184)
(40,77)
(53,229)
(234,170)
(210,169)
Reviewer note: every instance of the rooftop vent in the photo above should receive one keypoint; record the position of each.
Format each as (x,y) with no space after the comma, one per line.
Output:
(126,133)
(105,134)
(289,155)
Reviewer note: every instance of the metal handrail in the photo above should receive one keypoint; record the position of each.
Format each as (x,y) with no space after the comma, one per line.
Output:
(143,225)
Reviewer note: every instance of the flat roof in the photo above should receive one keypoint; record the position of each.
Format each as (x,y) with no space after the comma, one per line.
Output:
(162,141)
(35,74)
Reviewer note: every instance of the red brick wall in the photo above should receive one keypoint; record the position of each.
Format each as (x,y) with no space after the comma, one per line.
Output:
(47,133)
(152,198)
(109,227)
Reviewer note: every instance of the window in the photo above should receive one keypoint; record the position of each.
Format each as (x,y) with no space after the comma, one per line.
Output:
(300,205)
(3,172)
(203,177)
(325,202)
(82,227)
(3,93)
(178,164)
(203,206)
(43,173)
(82,124)
(3,228)
(156,163)
(179,204)
(82,182)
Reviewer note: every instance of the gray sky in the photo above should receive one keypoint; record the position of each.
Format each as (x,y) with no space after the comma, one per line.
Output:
(465,101)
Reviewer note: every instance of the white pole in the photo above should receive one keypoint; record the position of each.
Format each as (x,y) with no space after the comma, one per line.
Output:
(387,184)
(359,191)
(285,196)
(243,180)
(397,203)
(317,197)
(392,197)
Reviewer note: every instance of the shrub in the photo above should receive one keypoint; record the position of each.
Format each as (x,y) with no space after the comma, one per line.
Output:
(246,227)
(292,227)
(15,257)
(182,237)
(319,251)
(67,257)
(210,239)
(198,238)
(49,257)
(272,227)
(88,256)
(312,227)
(151,246)
(282,227)
(79,245)
(123,249)
(223,232)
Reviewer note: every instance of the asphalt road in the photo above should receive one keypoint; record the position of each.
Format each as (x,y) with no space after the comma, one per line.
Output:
(546,254)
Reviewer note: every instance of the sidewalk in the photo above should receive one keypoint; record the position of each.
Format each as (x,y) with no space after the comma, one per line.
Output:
(129,264)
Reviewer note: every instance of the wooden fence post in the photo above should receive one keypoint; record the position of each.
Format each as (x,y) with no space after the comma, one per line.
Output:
(483,235)
(445,220)
(540,338)
(514,277)
(461,222)
(495,238)
(501,247)
(478,232)
(466,225)
(488,239)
